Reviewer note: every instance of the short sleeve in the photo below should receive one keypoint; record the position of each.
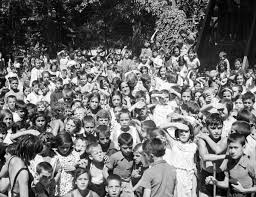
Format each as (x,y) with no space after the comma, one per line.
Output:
(146,180)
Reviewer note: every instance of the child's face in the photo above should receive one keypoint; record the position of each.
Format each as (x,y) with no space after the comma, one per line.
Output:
(239,104)
(11,103)
(21,113)
(227,95)
(137,157)
(14,85)
(184,136)
(79,113)
(83,80)
(126,150)
(103,121)
(186,96)
(208,96)
(88,127)
(45,178)
(58,85)
(70,126)
(248,104)
(27,91)
(197,95)
(36,89)
(124,120)
(84,100)
(104,139)
(2,136)
(94,103)
(240,80)
(237,65)
(125,89)
(44,90)
(80,146)
(114,188)
(76,105)
(215,130)
(116,100)
(97,154)
(236,92)
(163,72)
(41,108)
(236,150)
(82,181)
(40,121)
(64,149)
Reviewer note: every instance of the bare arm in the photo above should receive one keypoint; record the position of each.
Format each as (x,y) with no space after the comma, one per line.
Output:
(203,152)
(147,192)
(23,183)
(218,147)
(27,132)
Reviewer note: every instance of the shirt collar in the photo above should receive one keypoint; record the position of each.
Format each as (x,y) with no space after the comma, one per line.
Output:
(158,162)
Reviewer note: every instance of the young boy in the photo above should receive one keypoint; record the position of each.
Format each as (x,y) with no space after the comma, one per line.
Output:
(212,149)
(248,101)
(43,184)
(57,94)
(14,84)
(113,187)
(239,170)
(160,179)
(89,125)
(103,135)
(34,97)
(97,168)
(121,163)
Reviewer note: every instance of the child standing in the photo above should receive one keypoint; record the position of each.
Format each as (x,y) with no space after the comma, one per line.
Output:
(239,170)
(160,179)
(124,118)
(66,159)
(34,97)
(121,163)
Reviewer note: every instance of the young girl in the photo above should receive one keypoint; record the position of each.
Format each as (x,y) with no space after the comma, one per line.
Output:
(183,151)
(7,117)
(94,103)
(40,122)
(115,102)
(192,61)
(73,126)
(81,182)
(66,160)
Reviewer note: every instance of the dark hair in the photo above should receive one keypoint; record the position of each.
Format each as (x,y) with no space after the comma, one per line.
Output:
(44,166)
(63,138)
(123,111)
(214,119)
(125,139)
(246,115)
(88,119)
(236,137)
(103,129)
(91,146)
(248,96)
(3,128)
(115,93)
(114,177)
(154,146)
(191,129)
(78,172)
(77,123)
(28,146)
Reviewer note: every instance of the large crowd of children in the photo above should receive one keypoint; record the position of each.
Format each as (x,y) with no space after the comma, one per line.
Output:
(118,125)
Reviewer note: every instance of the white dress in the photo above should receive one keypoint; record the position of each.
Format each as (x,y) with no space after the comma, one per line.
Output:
(183,161)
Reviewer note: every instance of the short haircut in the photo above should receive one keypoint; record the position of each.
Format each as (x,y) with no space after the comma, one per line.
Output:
(150,124)
(155,147)
(103,114)
(11,149)
(125,139)
(91,146)
(11,97)
(123,111)
(20,104)
(88,119)
(35,82)
(3,128)
(11,79)
(236,137)
(214,119)
(44,166)
(248,96)
(113,177)
(246,115)
(102,129)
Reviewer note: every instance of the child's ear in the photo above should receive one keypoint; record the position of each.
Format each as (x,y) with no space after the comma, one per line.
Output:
(106,188)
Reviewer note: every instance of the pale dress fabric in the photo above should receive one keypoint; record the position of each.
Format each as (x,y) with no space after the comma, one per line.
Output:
(183,160)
